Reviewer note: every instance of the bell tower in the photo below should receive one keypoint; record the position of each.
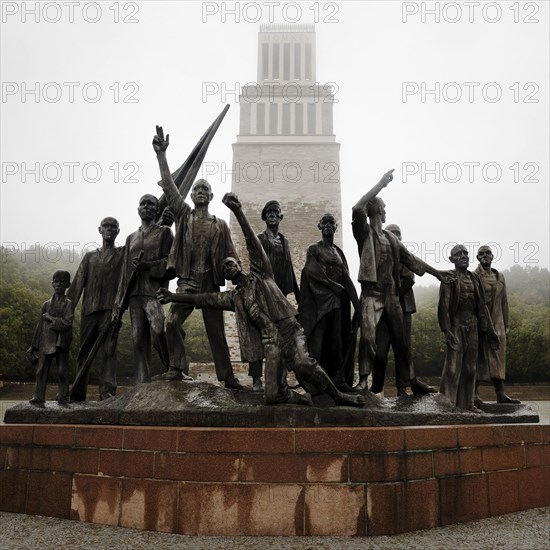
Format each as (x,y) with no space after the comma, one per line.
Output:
(286,149)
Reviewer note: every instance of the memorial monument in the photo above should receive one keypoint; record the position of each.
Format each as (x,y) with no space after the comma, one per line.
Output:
(267,322)
(179,455)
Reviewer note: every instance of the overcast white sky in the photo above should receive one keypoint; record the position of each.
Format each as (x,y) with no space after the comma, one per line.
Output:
(367,49)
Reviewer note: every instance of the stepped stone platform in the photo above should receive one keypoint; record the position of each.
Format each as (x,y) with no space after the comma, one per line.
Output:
(201,404)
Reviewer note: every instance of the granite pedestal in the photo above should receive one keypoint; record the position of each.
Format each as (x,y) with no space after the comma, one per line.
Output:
(294,479)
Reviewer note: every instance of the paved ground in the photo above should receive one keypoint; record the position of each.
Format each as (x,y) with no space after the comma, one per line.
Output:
(529,530)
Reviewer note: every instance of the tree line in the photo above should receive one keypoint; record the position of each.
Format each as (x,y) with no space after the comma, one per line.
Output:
(25,283)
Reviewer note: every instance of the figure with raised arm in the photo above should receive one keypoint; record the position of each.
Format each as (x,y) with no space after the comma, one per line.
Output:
(201,243)
(52,340)
(325,305)
(381,256)
(266,322)
(277,248)
(491,363)
(408,306)
(144,272)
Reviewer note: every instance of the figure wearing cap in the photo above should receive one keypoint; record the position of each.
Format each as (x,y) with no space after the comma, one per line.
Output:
(277,249)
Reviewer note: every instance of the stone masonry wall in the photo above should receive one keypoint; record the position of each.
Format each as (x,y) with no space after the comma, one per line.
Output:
(238,481)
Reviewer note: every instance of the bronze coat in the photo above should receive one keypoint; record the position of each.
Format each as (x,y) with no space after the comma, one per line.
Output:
(49,336)
(492,363)
(449,295)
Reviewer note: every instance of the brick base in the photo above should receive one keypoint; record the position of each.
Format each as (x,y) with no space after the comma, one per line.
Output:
(246,481)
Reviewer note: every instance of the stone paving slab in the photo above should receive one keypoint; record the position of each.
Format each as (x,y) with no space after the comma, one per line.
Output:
(528,530)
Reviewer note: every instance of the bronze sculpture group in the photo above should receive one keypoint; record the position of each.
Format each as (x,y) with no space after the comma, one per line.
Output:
(317,343)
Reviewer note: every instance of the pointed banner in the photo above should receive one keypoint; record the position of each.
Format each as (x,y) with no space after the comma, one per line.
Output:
(185,175)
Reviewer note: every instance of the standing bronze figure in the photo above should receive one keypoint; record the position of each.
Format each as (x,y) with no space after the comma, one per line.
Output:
(201,242)
(97,277)
(491,364)
(381,256)
(146,255)
(462,315)
(52,340)
(383,341)
(327,293)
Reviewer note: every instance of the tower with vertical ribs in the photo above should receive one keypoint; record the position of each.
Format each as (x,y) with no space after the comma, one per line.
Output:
(286,149)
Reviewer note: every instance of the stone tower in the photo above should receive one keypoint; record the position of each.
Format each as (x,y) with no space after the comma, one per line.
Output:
(286,149)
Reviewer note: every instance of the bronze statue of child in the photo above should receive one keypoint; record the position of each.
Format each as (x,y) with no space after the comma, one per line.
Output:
(52,340)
